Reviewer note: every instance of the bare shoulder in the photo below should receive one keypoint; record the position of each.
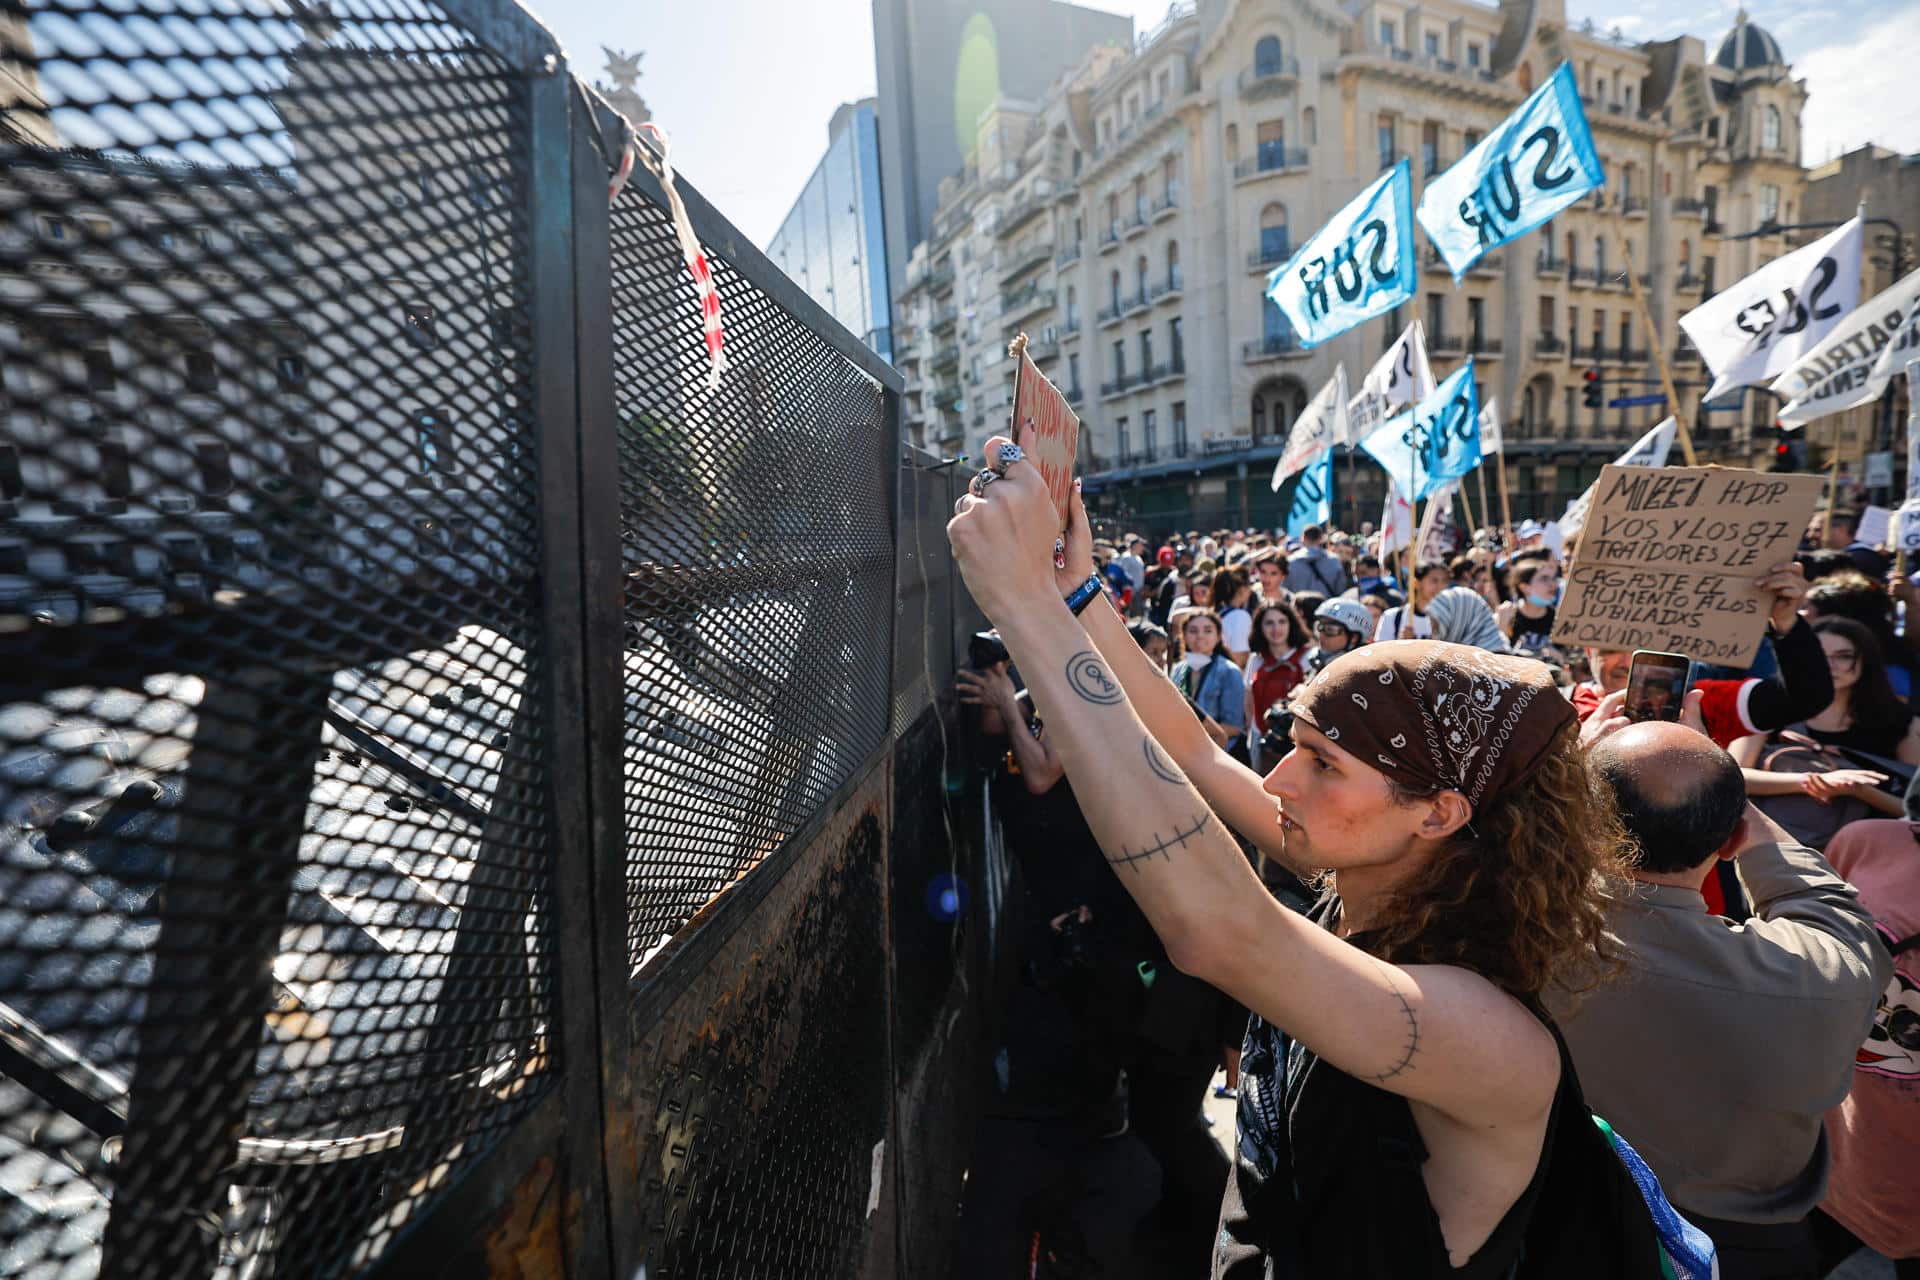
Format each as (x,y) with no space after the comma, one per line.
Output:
(1503,1064)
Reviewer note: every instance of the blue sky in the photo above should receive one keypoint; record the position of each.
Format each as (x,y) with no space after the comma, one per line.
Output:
(746,87)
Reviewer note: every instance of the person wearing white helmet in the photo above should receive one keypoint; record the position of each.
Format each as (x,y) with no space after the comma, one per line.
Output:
(1339,626)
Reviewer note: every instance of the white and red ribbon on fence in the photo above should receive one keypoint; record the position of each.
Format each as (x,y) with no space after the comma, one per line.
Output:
(662,168)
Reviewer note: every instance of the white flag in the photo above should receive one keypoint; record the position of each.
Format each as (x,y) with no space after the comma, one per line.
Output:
(1396,521)
(1650,450)
(1436,524)
(1854,363)
(1761,326)
(1320,426)
(1400,377)
(1490,427)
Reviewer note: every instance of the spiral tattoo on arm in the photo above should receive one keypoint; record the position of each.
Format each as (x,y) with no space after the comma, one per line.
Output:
(1089,678)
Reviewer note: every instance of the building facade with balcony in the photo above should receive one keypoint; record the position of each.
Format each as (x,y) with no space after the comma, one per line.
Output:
(1185,170)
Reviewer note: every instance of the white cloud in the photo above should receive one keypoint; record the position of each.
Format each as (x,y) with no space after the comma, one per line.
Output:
(1862,89)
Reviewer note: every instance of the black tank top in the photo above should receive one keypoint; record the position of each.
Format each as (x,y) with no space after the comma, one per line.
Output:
(1327,1182)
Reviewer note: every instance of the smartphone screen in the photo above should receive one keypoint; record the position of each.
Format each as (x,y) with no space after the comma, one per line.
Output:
(1656,685)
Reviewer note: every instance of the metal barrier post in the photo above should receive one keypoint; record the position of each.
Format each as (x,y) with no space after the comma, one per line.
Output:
(221,908)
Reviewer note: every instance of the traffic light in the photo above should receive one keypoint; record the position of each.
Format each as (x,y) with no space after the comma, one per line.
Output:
(1789,449)
(1592,394)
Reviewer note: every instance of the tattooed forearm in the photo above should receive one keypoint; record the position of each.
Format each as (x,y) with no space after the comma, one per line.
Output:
(1088,676)
(1412,1045)
(1131,858)
(1162,765)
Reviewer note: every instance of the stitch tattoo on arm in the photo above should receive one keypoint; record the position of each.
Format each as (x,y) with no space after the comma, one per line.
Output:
(1131,858)
(1163,767)
(1413,1031)
(1089,678)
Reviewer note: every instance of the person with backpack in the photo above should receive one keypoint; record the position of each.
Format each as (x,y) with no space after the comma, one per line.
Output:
(1313,567)
(1722,1043)
(1209,680)
(1407,1108)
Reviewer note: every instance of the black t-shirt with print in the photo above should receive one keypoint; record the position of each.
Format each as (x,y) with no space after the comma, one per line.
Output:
(1532,634)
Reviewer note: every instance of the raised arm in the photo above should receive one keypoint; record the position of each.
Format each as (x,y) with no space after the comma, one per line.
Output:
(1437,1034)
(1230,789)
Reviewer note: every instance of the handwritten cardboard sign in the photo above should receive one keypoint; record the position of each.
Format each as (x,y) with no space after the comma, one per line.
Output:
(1046,427)
(1669,556)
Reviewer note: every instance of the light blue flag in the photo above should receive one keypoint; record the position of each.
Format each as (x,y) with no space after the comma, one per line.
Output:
(1436,442)
(1536,163)
(1312,495)
(1358,266)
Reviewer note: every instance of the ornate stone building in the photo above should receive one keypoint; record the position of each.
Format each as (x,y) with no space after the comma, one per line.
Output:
(1128,219)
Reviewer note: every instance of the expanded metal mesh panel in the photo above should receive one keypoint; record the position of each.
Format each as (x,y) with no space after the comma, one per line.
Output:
(763,1086)
(274,928)
(923,614)
(758,550)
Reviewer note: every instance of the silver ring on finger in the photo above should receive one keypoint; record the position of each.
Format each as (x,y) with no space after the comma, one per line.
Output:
(1010,453)
(981,479)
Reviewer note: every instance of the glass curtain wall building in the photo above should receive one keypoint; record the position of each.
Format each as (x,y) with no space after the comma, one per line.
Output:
(833,241)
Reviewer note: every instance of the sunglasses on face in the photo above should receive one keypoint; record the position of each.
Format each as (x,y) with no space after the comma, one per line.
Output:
(1843,660)
(1328,629)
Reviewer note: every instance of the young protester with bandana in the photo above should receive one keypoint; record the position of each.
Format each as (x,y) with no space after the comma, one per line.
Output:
(1406,1107)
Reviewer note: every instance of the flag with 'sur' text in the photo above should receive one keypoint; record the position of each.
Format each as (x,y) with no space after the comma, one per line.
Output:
(1535,163)
(1757,328)
(1437,442)
(1360,265)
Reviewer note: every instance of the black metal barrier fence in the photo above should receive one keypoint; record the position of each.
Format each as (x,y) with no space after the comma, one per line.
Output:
(473,800)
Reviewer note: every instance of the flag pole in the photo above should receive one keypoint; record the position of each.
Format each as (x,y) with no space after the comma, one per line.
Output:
(1480,483)
(1506,500)
(1833,474)
(1657,343)
(1466,506)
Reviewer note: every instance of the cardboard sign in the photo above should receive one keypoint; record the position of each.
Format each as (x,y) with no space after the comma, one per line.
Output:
(1046,427)
(1669,555)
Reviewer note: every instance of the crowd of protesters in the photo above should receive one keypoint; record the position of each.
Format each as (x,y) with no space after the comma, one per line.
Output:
(1701,933)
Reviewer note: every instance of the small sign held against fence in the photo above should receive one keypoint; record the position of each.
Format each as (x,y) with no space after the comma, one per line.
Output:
(1045,425)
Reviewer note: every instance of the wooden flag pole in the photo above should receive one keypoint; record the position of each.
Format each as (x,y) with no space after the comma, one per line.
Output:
(1466,506)
(1658,344)
(1506,500)
(1833,475)
(1480,483)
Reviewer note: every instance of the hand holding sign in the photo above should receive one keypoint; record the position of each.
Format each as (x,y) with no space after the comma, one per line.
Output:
(1673,558)
(1002,538)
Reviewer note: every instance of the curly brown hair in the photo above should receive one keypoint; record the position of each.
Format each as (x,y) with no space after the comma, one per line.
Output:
(1519,895)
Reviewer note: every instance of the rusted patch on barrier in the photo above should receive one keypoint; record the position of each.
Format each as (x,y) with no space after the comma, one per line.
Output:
(529,1241)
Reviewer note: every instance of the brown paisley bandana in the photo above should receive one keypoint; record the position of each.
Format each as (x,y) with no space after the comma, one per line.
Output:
(1438,717)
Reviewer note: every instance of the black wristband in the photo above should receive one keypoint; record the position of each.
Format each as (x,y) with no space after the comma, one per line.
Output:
(1083,595)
